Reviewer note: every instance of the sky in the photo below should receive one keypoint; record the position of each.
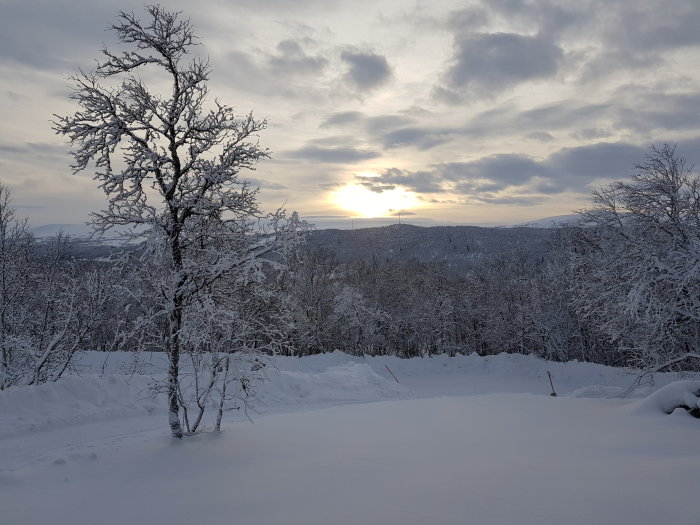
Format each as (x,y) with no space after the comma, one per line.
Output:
(445,112)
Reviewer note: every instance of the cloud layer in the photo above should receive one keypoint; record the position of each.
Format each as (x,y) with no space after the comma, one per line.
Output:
(526,104)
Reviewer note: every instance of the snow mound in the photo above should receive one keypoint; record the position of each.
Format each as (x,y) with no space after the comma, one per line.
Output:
(680,394)
(75,400)
(349,382)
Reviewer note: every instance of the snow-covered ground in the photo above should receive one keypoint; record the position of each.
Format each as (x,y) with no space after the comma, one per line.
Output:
(336,440)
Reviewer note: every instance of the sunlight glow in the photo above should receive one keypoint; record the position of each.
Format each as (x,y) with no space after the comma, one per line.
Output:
(366,203)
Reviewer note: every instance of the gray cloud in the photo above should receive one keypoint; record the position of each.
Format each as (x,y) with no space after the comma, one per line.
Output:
(653,110)
(265,184)
(332,155)
(289,73)
(418,181)
(590,134)
(40,35)
(585,163)
(367,70)
(467,19)
(570,169)
(248,75)
(546,17)
(640,34)
(342,119)
(35,149)
(421,138)
(382,123)
(337,141)
(541,136)
(492,62)
(592,41)
(519,200)
(500,171)
(525,180)
(391,131)
(292,60)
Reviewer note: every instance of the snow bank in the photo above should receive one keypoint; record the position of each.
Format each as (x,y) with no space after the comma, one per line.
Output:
(118,385)
(75,400)
(339,383)
(680,394)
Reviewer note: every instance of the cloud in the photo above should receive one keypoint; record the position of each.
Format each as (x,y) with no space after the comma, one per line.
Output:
(289,72)
(292,60)
(325,216)
(511,200)
(467,19)
(265,184)
(570,169)
(497,171)
(517,179)
(41,35)
(635,35)
(651,110)
(332,155)
(391,131)
(487,63)
(415,181)
(367,70)
(248,75)
(544,17)
(541,136)
(422,138)
(342,119)
(37,150)
(381,123)
(581,165)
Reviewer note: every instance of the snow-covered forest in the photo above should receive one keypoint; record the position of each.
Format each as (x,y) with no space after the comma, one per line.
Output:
(485,375)
(620,288)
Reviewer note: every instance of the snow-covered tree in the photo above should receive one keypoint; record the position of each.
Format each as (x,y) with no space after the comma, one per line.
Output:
(169,164)
(637,262)
(15,274)
(50,305)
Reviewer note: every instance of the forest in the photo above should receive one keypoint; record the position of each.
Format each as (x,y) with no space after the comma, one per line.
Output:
(620,287)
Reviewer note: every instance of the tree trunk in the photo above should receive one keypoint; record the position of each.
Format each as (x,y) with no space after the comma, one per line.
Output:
(222,401)
(174,370)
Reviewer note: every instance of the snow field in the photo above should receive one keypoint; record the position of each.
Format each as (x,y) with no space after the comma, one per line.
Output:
(459,440)
(492,459)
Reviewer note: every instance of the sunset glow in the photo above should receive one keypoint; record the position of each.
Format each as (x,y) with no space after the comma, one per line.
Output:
(365,203)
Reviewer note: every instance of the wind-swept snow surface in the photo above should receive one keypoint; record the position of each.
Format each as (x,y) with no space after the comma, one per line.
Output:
(423,457)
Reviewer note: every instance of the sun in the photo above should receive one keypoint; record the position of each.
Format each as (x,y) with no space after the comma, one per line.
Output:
(366,203)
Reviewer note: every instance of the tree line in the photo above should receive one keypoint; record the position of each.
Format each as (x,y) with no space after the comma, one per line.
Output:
(620,287)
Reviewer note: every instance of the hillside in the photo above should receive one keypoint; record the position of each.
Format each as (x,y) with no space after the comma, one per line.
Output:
(455,246)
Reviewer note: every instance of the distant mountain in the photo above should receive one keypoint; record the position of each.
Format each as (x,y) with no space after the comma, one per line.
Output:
(82,231)
(553,222)
(456,246)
